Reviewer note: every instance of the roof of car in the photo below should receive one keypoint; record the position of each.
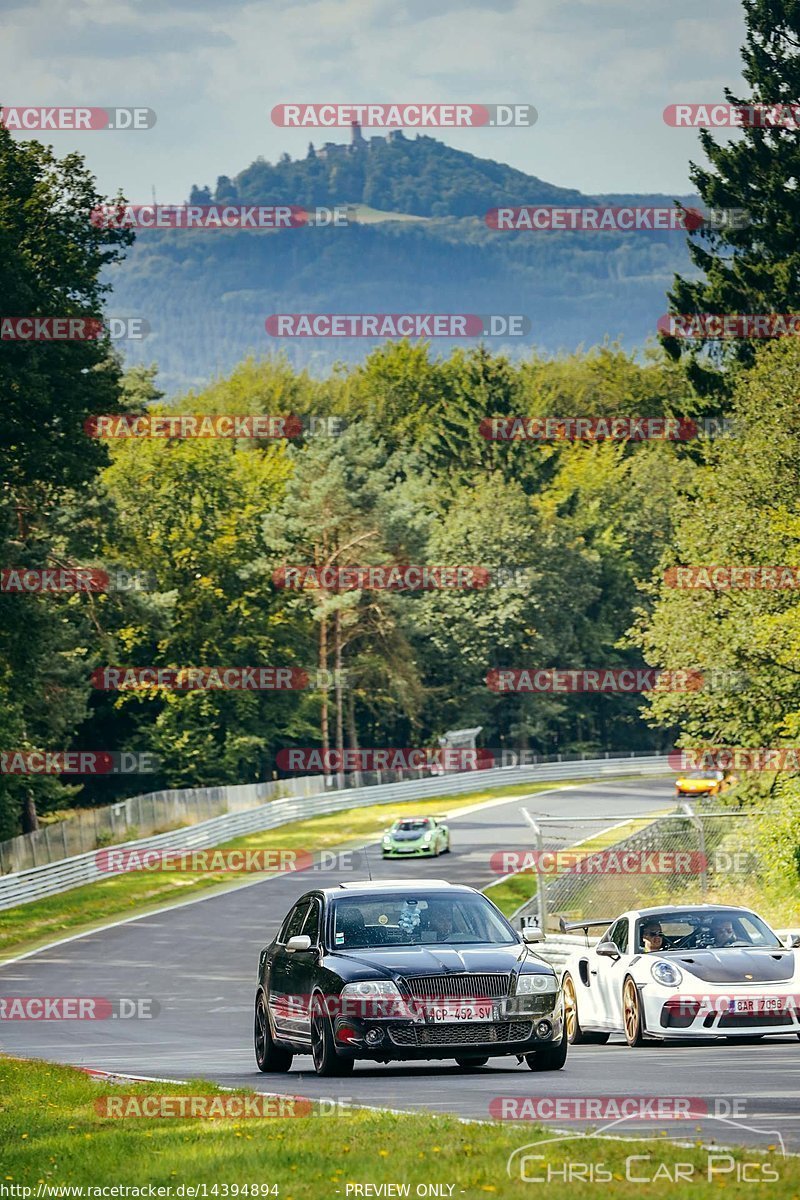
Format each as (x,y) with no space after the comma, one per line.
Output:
(367,887)
(679,908)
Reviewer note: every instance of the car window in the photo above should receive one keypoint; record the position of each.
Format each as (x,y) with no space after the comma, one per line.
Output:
(311,926)
(618,933)
(417,919)
(413,825)
(700,930)
(294,922)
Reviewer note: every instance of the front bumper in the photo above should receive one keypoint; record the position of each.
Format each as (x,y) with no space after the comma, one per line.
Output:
(672,1015)
(512,1032)
(414,852)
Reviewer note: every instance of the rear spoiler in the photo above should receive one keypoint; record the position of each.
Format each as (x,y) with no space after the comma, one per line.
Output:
(567,926)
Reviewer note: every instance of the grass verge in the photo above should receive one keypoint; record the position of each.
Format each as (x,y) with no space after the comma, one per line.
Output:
(53,1135)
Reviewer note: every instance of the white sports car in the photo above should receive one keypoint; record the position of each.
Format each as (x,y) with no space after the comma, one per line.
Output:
(695,971)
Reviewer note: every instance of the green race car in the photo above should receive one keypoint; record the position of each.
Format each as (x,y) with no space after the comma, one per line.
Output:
(416,837)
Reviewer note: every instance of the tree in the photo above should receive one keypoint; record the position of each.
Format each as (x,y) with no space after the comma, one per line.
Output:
(51,260)
(754,268)
(742,511)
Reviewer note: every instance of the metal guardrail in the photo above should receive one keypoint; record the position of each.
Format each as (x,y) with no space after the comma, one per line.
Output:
(22,887)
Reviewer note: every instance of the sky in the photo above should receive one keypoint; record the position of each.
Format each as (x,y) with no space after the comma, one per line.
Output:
(599,72)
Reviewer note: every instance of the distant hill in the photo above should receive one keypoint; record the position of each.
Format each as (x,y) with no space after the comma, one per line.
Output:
(207,294)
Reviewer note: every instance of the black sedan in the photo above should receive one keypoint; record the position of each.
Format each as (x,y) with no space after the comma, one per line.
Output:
(389,971)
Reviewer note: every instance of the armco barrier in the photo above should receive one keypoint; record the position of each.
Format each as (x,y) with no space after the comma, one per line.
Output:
(23,886)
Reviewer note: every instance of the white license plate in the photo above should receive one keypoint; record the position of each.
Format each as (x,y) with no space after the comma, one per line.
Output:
(460,1012)
(764,1005)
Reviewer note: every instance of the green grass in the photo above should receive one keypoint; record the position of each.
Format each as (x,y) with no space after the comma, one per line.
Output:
(28,926)
(51,1133)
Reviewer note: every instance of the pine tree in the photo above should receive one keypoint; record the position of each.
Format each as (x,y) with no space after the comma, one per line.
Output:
(751,266)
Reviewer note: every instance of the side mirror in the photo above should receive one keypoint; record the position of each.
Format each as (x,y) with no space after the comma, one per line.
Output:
(532,934)
(300,941)
(607,949)
(793,941)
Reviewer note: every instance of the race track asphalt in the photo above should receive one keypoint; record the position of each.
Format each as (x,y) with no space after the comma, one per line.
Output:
(198,961)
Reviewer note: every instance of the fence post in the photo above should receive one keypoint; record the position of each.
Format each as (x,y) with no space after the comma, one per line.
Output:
(697,823)
(541,886)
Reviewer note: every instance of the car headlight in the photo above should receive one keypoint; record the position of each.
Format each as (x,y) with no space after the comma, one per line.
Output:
(526,984)
(666,974)
(373,998)
(372,988)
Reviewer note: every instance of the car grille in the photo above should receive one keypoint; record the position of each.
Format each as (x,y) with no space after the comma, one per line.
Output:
(753,1020)
(460,1035)
(456,987)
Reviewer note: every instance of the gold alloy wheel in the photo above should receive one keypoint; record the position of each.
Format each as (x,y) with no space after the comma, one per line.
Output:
(630,1010)
(570,1008)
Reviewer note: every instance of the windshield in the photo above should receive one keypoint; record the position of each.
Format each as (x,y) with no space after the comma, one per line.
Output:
(411,826)
(703,775)
(417,919)
(670,930)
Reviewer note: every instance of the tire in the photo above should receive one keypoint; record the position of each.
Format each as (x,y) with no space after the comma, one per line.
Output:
(327,1062)
(575,1035)
(469,1064)
(632,1014)
(269,1057)
(550,1058)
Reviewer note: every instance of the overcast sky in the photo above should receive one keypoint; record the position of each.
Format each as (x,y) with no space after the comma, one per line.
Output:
(600,72)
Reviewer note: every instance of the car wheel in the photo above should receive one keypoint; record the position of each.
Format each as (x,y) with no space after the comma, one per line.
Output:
(549,1058)
(575,1035)
(469,1064)
(323,1051)
(269,1057)
(632,1014)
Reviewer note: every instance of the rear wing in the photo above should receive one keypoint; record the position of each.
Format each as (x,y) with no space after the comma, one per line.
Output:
(568,926)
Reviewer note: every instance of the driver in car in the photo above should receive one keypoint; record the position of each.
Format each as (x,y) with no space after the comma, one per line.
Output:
(440,922)
(652,937)
(723,932)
